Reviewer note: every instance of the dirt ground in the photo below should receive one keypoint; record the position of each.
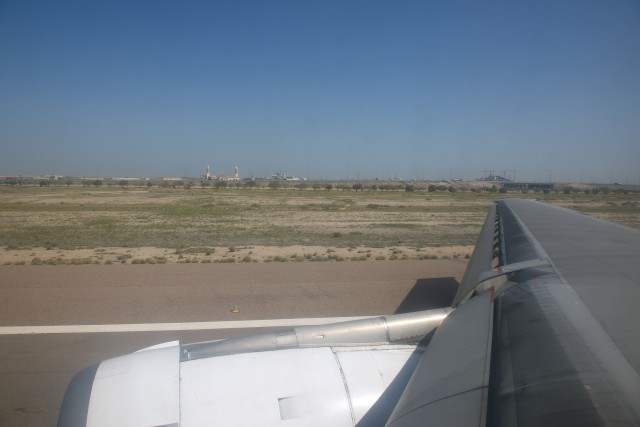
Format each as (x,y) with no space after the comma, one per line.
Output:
(243,254)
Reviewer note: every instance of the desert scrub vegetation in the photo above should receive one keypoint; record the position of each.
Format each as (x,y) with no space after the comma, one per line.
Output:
(150,260)
(194,222)
(60,261)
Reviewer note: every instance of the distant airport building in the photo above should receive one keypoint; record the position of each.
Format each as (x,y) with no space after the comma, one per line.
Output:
(279,176)
(236,175)
(208,176)
(494,178)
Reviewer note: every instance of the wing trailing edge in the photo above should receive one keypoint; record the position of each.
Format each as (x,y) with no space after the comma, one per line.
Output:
(450,384)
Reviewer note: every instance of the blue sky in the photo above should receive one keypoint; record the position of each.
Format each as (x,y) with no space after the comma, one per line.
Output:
(325,89)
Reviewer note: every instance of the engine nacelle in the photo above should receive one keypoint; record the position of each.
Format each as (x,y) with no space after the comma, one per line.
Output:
(332,374)
(319,386)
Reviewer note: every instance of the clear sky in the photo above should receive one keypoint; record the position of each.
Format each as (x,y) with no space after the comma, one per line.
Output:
(322,88)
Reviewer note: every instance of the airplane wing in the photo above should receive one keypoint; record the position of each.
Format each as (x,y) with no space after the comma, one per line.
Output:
(544,330)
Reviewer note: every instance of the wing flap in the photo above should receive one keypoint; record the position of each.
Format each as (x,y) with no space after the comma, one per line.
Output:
(453,375)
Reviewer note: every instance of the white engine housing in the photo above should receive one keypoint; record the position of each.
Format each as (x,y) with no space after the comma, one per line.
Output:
(317,386)
(296,387)
(332,374)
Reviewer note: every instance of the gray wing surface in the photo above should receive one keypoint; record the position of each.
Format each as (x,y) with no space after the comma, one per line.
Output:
(565,347)
(601,262)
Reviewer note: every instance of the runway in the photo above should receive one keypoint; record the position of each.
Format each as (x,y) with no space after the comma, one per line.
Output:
(56,320)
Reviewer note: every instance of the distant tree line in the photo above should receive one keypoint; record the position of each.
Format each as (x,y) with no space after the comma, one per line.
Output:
(252,184)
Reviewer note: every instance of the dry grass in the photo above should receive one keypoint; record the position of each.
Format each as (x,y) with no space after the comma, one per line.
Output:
(77,225)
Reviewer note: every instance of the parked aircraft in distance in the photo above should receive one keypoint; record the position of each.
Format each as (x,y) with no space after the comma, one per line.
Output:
(544,331)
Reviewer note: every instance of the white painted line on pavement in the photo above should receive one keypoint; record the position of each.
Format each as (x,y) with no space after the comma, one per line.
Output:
(157,327)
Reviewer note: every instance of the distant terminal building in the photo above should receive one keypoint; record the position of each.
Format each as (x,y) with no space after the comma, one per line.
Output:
(279,176)
(49,177)
(494,178)
(519,186)
(236,175)
(208,176)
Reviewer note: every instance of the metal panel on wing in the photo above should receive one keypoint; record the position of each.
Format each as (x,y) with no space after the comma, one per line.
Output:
(450,384)
(480,260)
